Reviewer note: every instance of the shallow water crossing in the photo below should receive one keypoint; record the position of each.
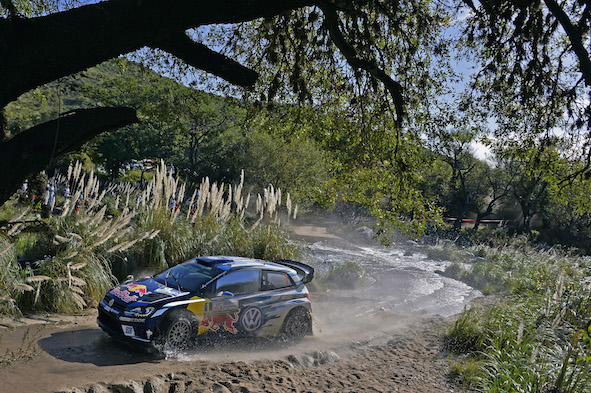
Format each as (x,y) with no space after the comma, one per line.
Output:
(399,281)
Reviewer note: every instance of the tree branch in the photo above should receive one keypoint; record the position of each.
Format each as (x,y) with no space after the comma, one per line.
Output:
(575,38)
(30,151)
(39,50)
(203,58)
(393,87)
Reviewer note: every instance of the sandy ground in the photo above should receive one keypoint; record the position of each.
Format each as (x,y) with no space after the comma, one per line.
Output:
(351,351)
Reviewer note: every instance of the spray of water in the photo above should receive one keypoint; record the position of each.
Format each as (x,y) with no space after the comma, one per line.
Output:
(400,288)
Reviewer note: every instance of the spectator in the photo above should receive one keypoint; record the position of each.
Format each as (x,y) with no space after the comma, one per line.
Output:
(25,188)
(51,194)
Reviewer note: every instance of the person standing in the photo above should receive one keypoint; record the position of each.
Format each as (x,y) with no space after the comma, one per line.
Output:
(51,194)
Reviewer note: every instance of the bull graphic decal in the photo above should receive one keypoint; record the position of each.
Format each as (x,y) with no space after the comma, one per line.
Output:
(215,322)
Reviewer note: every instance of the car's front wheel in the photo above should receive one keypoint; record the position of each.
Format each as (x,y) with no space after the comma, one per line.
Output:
(297,324)
(177,330)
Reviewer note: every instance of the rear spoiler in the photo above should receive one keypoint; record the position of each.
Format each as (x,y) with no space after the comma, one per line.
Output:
(305,272)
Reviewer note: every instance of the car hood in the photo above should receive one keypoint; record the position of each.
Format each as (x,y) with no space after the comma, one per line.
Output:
(145,290)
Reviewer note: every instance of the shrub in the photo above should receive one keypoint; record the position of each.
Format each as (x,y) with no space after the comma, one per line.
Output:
(467,333)
(346,275)
(77,255)
(536,341)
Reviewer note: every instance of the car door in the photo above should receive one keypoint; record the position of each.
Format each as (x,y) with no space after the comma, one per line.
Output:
(280,290)
(228,309)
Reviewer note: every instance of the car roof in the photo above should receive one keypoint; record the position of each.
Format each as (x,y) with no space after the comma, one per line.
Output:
(231,263)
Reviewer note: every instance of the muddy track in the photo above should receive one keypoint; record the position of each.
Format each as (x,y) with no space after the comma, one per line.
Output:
(368,340)
(376,351)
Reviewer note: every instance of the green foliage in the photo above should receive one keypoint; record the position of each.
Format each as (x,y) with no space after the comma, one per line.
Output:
(535,341)
(467,333)
(269,243)
(9,276)
(9,211)
(443,252)
(295,163)
(328,151)
(567,218)
(345,275)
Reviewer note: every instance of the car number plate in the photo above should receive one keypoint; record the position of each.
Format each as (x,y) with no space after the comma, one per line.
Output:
(128,330)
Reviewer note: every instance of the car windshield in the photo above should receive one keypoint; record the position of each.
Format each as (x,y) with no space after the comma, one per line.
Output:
(188,276)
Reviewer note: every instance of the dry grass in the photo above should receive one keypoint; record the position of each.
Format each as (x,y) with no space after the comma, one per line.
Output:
(103,232)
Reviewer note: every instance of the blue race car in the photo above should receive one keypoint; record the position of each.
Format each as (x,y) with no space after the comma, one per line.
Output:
(217,295)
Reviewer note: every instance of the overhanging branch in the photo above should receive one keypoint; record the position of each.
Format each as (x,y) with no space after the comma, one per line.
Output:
(203,58)
(39,50)
(30,151)
(393,87)
(575,37)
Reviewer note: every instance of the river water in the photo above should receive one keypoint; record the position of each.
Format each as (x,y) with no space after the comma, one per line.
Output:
(400,280)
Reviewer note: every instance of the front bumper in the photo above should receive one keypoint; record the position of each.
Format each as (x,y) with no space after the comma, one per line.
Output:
(134,330)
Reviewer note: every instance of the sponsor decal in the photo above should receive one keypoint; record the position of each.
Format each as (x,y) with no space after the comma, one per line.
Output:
(141,290)
(222,306)
(128,319)
(123,295)
(215,322)
(251,319)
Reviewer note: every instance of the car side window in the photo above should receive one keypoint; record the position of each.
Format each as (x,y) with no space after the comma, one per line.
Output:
(275,280)
(239,283)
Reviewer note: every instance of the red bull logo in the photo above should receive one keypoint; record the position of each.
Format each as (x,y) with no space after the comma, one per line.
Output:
(123,295)
(139,289)
(215,322)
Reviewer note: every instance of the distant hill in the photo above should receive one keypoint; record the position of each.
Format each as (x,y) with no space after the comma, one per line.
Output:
(182,125)
(102,85)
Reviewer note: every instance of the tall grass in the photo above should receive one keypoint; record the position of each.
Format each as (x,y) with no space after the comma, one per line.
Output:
(537,339)
(105,232)
(12,283)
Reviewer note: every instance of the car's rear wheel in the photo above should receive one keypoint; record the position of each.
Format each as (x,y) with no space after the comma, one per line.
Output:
(178,330)
(297,324)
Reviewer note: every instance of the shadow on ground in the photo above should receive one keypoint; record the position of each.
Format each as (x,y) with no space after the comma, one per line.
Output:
(92,346)
(95,347)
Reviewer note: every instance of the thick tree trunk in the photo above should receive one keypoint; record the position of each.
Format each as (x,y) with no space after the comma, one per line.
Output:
(32,151)
(479,218)
(527,216)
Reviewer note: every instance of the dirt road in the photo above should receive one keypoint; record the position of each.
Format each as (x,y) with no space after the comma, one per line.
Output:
(355,348)
(348,353)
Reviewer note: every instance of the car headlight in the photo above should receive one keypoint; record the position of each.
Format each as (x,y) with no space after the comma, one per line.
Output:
(139,312)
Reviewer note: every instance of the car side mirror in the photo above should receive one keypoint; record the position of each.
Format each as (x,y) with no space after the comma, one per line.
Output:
(225,294)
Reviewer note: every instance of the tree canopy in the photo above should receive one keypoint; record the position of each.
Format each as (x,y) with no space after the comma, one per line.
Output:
(376,70)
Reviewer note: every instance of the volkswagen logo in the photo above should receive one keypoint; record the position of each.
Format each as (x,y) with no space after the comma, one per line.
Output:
(251,319)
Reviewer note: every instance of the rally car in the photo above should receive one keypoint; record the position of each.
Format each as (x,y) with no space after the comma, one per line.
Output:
(218,295)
